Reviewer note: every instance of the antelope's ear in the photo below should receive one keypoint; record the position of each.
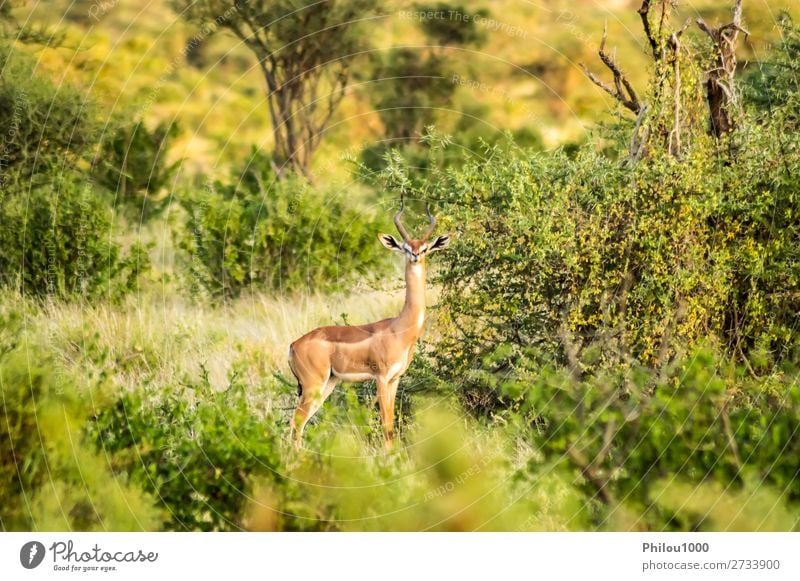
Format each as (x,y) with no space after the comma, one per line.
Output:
(390,242)
(440,243)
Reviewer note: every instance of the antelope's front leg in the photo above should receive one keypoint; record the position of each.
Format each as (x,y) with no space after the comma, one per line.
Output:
(387,391)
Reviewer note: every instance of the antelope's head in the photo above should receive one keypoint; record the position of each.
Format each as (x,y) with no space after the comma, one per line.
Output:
(414,250)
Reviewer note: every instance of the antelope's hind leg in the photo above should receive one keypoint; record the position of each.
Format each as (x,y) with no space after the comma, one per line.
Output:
(313,395)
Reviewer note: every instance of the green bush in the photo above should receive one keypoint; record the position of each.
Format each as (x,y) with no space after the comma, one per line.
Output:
(132,163)
(774,85)
(194,449)
(57,241)
(52,478)
(584,295)
(642,260)
(640,257)
(46,129)
(260,233)
(55,224)
(625,432)
(454,476)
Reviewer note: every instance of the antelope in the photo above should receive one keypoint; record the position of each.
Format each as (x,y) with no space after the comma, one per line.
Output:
(381,351)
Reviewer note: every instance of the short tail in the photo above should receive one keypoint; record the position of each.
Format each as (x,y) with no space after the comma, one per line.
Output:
(291,366)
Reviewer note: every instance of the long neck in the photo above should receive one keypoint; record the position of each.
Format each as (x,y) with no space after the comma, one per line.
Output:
(413,314)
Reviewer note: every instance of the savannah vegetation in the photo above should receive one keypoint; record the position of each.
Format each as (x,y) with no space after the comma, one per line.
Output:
(612,337)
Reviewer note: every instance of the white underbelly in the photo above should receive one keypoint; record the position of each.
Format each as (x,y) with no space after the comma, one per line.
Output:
(395,369)
(354,377)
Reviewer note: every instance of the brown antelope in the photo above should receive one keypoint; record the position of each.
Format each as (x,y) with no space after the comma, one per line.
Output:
(381,351)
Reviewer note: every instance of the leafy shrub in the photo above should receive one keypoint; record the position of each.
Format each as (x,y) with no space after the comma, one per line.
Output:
(47,129)
(132,164)
(454,477)
(774,85)
(584,295)
(625,432)
(57,242)
(641,259)
(196,451)
(53,479)
(55,225)
(259,233)
(575,292)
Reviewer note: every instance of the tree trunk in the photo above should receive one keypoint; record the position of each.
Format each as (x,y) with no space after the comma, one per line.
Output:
(720,121)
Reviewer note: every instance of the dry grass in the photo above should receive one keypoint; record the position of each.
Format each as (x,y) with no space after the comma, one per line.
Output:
(163,340)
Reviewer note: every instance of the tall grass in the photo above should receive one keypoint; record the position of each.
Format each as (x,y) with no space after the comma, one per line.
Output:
(162,339)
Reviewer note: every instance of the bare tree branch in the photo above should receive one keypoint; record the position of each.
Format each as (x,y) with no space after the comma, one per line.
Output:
(720,86)
(638,139)
(644,12)
(622,91)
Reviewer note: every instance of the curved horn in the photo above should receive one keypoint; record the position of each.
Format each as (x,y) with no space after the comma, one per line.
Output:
(397,223)
(432,221)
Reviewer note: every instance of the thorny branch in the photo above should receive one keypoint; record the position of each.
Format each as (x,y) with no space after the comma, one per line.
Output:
(622,90)
(644,12)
